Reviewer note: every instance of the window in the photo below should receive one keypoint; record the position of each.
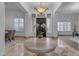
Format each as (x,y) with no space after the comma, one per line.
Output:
(64,26)
(19,24)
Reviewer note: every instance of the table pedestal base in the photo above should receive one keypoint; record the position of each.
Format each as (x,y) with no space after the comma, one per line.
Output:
(40,54)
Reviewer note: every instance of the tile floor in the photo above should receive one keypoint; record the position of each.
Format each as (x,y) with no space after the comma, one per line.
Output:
(16,48)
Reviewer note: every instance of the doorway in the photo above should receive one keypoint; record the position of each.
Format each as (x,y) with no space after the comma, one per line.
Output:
(40,22)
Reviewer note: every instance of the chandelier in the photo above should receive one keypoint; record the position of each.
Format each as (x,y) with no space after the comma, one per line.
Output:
(41,9)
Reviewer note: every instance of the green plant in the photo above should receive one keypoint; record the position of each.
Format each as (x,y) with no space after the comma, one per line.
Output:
(40,34)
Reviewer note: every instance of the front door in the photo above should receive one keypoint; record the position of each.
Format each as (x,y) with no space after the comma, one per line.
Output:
(40,29)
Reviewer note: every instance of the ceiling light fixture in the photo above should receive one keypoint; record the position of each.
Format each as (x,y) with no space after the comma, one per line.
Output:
(41,9)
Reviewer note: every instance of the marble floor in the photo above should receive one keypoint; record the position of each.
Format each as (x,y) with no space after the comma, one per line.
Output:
(16,48)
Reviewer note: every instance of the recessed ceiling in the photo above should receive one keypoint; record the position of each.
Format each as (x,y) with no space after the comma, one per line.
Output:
(52,6)
(13,6)
(69,7)
(58,7)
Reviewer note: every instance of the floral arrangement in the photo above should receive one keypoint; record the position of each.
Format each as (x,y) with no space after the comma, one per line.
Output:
(40,33)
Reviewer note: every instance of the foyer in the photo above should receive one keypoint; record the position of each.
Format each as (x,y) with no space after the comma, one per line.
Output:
(39,28)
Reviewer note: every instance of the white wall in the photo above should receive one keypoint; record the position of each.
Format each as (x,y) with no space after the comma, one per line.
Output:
(28,31)
(78,30)
(2,28)
(10,15)
(33,22)
(78,23)
(73,18)
(28,25)
(9,22)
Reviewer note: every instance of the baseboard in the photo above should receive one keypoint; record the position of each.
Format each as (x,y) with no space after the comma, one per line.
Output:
(20,37)
(25,36)
(31,36)
(64,35)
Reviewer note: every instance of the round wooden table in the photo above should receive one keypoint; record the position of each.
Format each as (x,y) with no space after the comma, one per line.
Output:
(40,46)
